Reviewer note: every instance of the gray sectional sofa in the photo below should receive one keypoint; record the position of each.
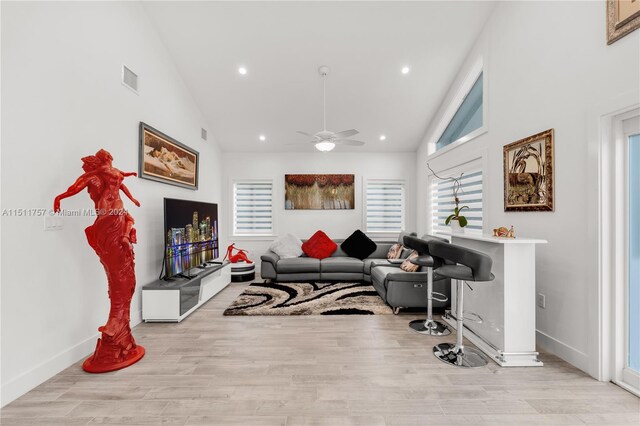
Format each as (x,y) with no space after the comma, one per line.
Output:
(398,288)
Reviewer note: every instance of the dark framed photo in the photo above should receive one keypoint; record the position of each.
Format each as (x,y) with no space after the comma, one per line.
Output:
(529,173)
(166,160)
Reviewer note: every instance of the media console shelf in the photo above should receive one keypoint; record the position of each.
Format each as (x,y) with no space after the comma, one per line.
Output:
(173,301)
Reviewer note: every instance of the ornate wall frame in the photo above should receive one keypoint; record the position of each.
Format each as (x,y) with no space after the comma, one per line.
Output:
(616,27)
(527,188)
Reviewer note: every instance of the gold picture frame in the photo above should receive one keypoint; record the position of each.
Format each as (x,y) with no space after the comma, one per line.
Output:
(164,159)
(623,17)
(529,173)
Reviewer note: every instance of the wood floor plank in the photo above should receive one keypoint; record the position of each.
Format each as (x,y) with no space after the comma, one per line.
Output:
(118,408)
(45,421)
(313,370)
(330,420)
(237,421)
(586,406)
(139,421)
(28,408)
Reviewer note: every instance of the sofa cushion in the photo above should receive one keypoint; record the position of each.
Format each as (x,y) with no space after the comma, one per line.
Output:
(319,246)
(379,273)
(297,265)
(339,252)
(287,247)
(381,251)
(370,263)
(358,245)
(341,264)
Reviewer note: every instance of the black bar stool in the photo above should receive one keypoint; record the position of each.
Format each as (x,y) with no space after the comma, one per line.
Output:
(471,265)
(427,326)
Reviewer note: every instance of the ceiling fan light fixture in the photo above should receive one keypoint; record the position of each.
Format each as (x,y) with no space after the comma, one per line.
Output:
(326,140)
(325,146)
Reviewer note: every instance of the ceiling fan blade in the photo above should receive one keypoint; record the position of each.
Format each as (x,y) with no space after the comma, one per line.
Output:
(305,133)
(349,142)
(345,133)
(300,143)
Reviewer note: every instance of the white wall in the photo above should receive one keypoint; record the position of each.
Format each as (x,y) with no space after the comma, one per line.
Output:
(62,99)
(303,223)
(548,66)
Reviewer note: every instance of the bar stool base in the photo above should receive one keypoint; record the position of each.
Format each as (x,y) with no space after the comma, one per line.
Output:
(430,328)
(467,357)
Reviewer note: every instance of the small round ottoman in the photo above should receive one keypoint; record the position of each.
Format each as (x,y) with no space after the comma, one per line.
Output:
(242,272)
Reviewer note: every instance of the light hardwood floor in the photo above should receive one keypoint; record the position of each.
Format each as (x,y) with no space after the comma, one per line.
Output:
(350,370)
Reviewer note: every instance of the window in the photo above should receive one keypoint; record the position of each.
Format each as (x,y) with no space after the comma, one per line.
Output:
(253,207)
(470,194)
(467,119)
(384,206)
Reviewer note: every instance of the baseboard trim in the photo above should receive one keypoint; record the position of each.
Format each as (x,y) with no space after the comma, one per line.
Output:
(568,353)
(28,380)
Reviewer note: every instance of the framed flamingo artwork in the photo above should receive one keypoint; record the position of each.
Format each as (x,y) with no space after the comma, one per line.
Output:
(529,173)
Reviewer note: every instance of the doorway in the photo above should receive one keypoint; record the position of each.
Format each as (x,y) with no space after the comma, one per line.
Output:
(625,297)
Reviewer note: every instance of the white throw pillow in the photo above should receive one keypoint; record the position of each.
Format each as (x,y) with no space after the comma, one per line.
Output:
(287,247)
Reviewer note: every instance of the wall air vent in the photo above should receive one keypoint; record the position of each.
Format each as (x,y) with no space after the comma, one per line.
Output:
(203,134)
(129,79)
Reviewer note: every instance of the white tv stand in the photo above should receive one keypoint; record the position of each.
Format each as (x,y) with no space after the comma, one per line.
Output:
(173,301)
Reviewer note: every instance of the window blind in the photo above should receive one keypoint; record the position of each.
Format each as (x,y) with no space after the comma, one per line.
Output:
(253,208)
(385,206)
(470,194)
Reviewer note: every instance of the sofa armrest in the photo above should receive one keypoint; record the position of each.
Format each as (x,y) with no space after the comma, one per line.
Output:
(396,262)
(270,257)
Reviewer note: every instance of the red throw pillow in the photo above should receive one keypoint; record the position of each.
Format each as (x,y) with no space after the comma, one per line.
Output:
(319,246)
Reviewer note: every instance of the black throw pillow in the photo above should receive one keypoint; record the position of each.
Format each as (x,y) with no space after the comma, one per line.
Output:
(358,245)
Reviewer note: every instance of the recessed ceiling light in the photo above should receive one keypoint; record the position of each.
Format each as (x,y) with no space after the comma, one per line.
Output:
(242,70)
(262,138)
(405,70)
(383,137)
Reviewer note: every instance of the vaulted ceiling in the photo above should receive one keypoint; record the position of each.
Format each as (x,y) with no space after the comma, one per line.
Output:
(282,44)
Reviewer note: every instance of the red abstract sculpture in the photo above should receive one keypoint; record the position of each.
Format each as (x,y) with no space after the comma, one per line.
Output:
(240,256)
(111,236)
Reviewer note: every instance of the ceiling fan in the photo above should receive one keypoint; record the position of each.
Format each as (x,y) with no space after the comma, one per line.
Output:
(326,140)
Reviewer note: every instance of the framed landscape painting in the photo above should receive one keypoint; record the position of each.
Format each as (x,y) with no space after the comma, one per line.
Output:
(166,160)
(319,192)
(529,173)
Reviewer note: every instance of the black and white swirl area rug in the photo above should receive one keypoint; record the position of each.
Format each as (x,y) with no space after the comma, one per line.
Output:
(309,299)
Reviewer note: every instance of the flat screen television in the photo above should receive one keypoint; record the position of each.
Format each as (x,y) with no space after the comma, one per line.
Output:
(190,234)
